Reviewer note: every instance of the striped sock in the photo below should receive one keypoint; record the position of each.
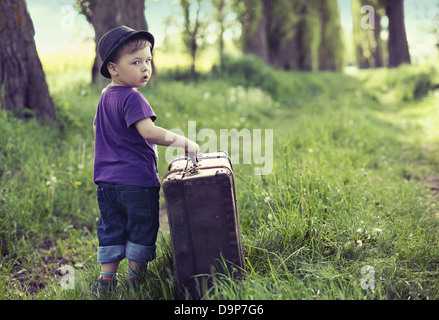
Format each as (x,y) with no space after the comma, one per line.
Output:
(107,276)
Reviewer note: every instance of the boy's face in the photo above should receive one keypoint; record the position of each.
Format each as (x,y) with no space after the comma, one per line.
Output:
(132,69)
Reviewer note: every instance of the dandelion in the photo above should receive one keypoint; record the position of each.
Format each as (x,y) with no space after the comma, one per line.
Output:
(81,166)
(78,183)
(52,180)
(377,231)
(359,230)
(347,244)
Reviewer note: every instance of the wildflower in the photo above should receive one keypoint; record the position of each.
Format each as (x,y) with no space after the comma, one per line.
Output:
(81,166)
(78,183)
(377,231)
(52,180)
(359,230)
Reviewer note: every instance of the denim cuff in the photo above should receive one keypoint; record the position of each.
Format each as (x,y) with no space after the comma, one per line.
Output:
(109,254)
(139,253)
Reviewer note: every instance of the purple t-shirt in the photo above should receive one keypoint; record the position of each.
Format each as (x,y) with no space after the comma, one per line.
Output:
(122,155)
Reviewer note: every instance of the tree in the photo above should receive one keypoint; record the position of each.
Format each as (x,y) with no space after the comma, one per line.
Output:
(330,50)
(23,86)
(191,29)
(433,17)
(254,27)
(222,8)
(194,30)
(397,43)
(284,30)
(105,15)
(293,34)
(367,33)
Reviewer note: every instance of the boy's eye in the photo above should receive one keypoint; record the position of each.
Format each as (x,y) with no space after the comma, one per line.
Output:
(136,62)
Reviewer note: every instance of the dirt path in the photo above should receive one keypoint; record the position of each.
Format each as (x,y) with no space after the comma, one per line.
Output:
(431,183)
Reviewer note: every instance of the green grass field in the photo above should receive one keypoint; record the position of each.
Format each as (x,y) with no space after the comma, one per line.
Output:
(348,211)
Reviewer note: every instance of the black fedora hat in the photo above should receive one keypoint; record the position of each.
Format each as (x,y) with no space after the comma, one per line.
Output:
(113,39)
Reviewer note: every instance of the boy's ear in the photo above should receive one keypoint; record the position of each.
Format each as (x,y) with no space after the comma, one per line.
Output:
(112,68)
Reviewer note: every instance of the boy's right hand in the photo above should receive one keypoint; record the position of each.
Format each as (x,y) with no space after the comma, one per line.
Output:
(191,147)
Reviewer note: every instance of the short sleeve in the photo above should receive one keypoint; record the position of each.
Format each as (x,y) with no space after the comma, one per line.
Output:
(136,108)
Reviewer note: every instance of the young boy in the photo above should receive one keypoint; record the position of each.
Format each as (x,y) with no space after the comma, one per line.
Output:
(125,165)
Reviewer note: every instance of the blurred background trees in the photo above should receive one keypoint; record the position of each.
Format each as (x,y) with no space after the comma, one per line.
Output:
(302,35)
(369,44)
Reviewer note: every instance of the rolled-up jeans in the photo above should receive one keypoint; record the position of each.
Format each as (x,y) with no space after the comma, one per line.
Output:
(129,222)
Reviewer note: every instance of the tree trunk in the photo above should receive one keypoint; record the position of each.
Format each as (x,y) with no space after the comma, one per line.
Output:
(105,15)
(378,53)
(397,43)
(330,51)
(254,29)
(23,86)
(191,31)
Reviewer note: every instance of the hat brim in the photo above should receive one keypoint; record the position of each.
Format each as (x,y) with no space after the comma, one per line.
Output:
(145,34)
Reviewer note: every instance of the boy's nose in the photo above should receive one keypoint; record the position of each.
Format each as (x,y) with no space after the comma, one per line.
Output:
(146,67)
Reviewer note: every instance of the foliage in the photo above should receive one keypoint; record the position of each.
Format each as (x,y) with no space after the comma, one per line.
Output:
(406,83)
(344,193)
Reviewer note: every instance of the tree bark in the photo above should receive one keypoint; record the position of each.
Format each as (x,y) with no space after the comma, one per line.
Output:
(330,56)
(397,43)
(105,15)
(254,29)
(23,86)
(378,53)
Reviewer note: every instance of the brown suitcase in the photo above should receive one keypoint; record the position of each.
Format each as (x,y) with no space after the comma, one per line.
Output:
(203,221)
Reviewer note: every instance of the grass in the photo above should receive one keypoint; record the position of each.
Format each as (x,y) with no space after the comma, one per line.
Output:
(346,192)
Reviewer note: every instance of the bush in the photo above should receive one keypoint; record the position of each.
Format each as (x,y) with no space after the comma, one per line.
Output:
(247,71)
(422,84)
(412,83)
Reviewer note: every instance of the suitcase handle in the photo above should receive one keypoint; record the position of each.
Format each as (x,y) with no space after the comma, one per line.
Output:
(193,157)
